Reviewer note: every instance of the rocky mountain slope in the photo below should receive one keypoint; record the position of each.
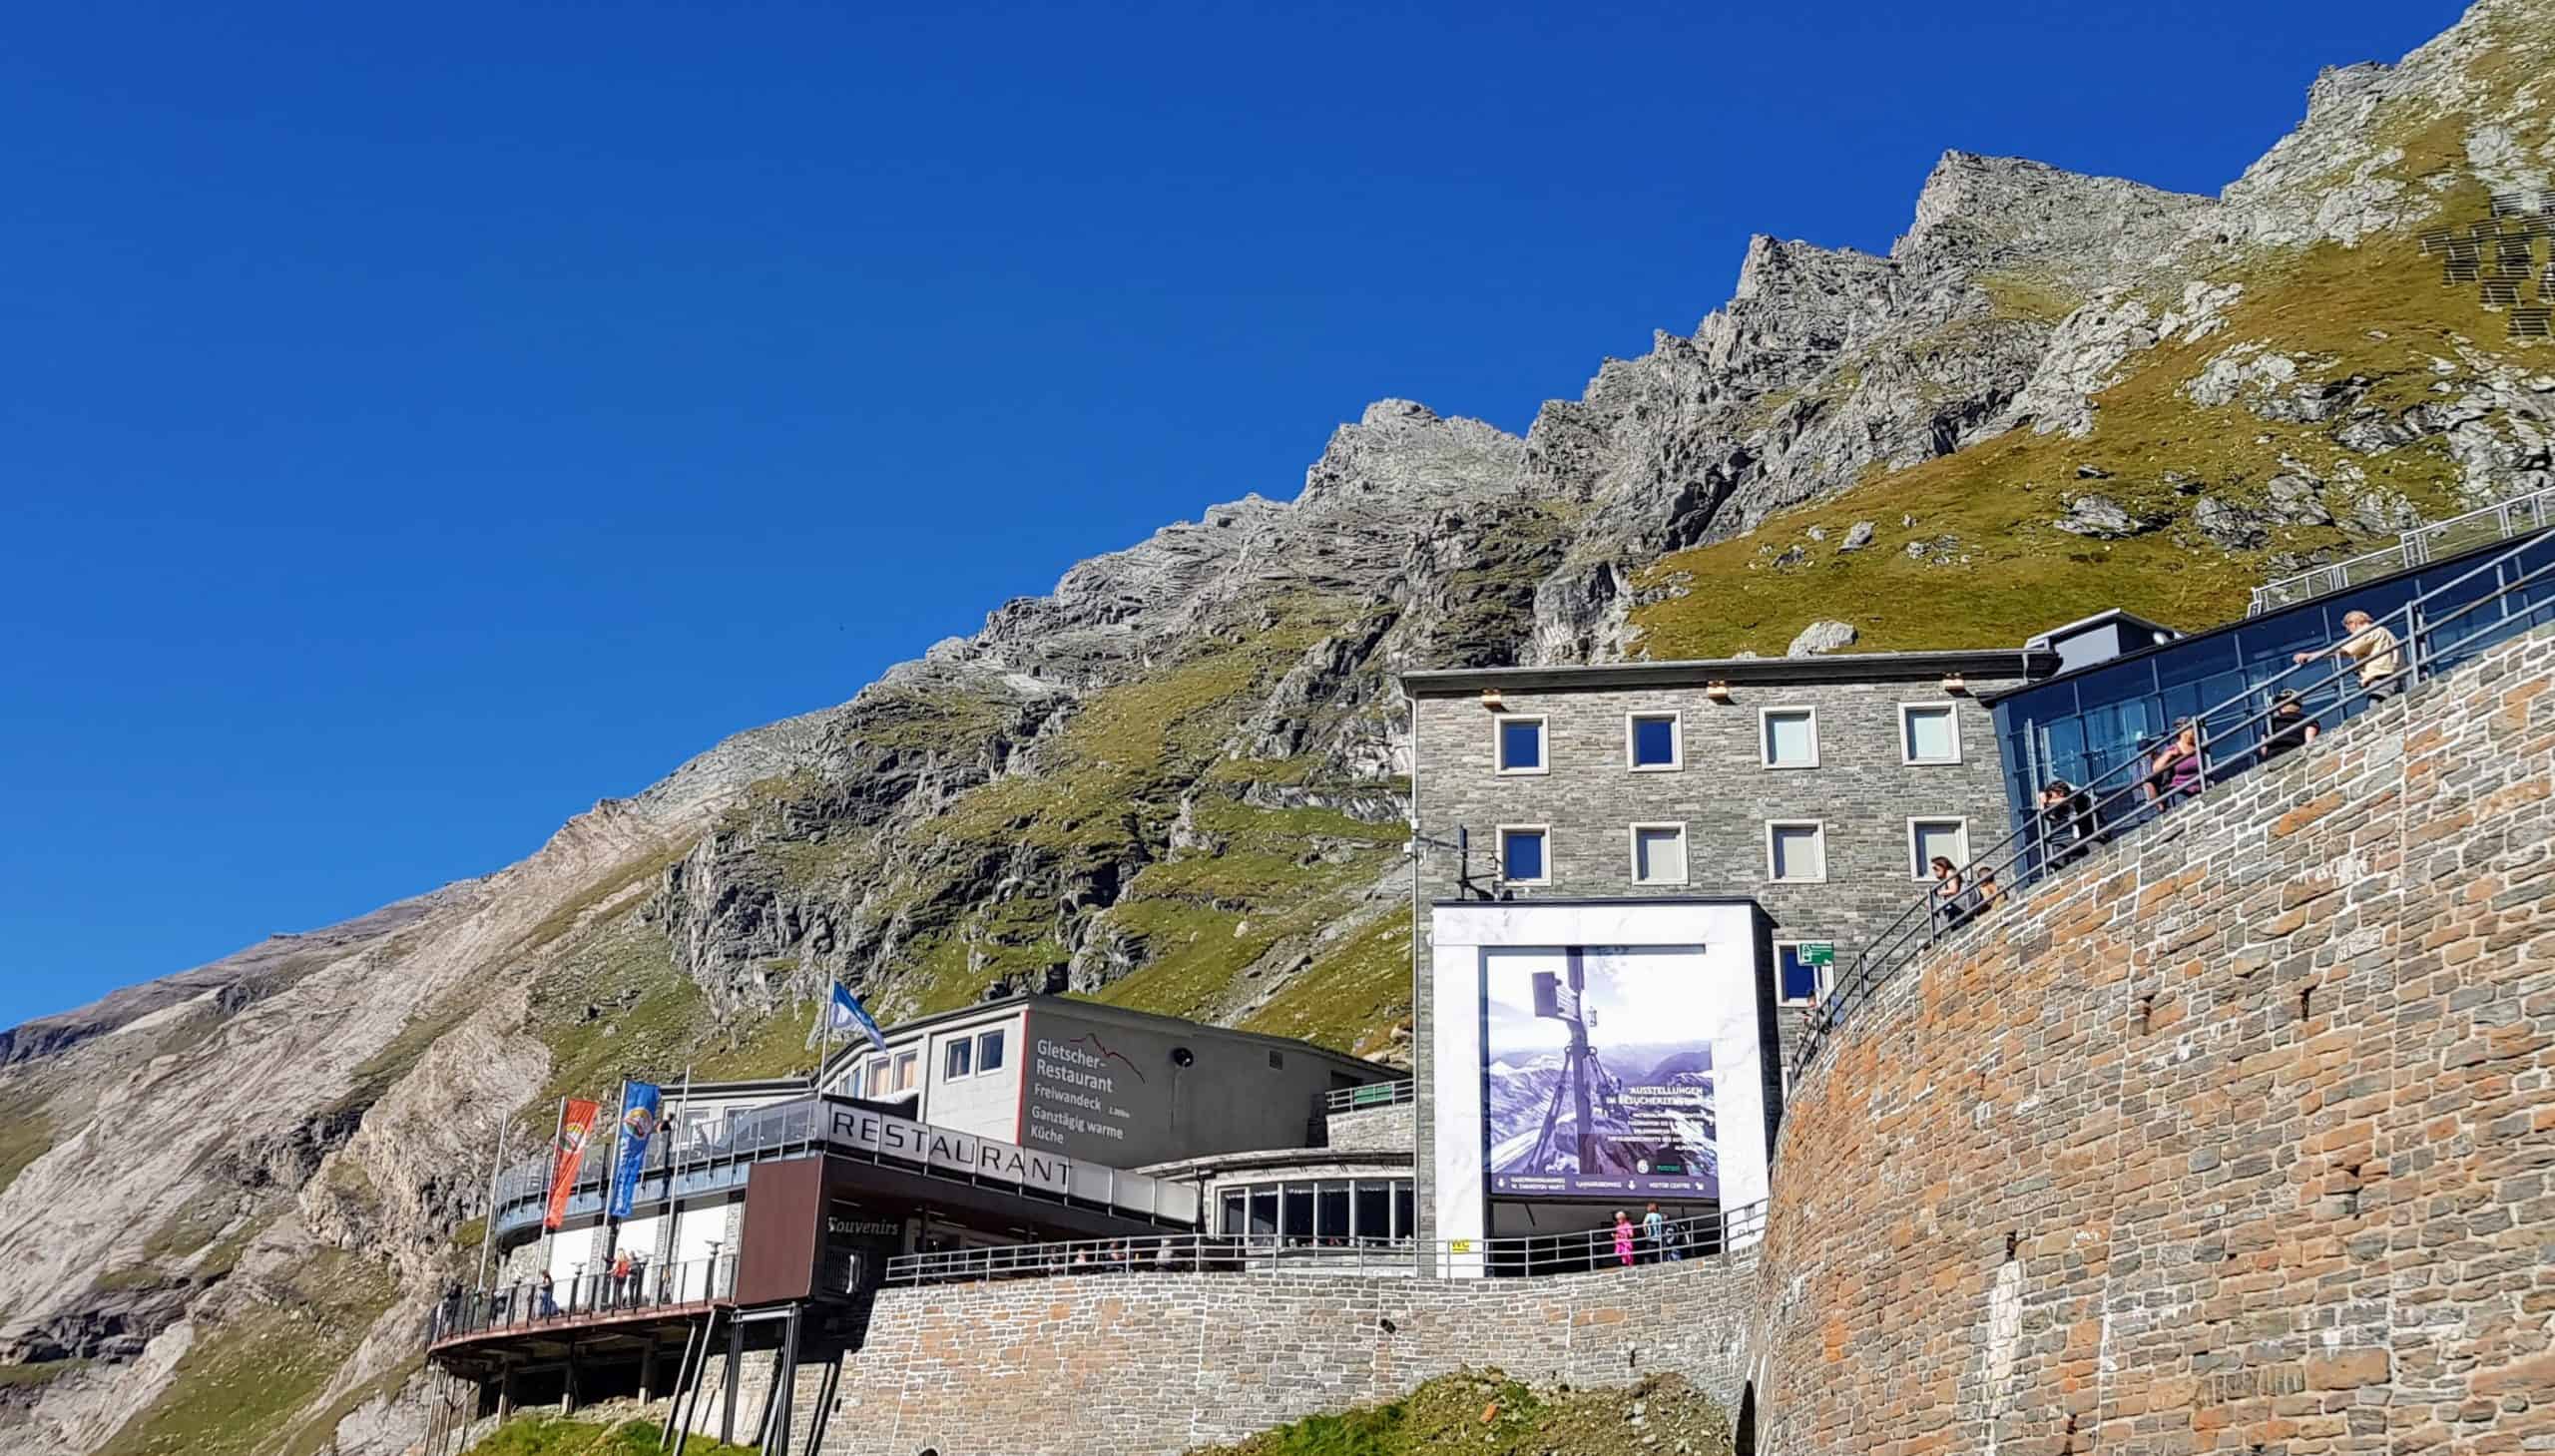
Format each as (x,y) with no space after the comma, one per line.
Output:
(1176,781)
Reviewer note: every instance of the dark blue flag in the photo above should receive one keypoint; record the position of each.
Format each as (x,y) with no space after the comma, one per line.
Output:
(641,1102)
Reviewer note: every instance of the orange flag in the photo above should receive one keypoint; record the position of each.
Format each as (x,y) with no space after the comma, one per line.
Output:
(576,1126)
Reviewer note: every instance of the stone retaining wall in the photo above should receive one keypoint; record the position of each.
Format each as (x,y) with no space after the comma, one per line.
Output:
(2237,1139)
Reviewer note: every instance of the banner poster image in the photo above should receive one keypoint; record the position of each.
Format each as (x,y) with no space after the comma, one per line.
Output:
(641,1105)
(576,1130)
(1599,1073)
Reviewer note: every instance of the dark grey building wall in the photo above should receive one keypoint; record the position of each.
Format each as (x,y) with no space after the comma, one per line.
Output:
(1862,792)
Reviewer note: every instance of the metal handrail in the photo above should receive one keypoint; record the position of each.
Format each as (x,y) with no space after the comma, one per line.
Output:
(583,1297)
(1709,1235)
(1368,1095)
(2411,549)
(2083,822)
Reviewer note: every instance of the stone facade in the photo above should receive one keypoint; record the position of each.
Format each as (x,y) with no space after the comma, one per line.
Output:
(1393,1129)
(1862,790)
(1151,1364)
(2238,1138)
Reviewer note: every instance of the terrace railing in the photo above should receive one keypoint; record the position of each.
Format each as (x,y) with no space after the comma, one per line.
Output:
(2496,599)
(588,1297)
(1371,1095)
(1709,1236)
(2517,516)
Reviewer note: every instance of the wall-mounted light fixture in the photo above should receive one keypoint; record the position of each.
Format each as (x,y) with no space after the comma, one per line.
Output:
(1954,683)
(1490,700)
(1716,690)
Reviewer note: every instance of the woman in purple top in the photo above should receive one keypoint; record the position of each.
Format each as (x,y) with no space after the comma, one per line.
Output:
(2175,774)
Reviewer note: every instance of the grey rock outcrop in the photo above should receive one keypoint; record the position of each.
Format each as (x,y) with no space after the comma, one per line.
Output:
(1821,636)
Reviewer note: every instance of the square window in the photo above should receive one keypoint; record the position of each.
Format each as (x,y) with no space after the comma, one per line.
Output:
(1651,741)
(1520,744)
(1927,839)
(1659,855)
(1789,737)
(1796,851)
(989,1051)
(1929,732)
(1521,856)
(1798,981)
(959,1060)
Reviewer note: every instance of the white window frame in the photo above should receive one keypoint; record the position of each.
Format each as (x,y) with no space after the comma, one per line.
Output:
(1822,977)
(1765,742)
(1499,836)
(969,1042)
(1499,725)
(1908,740)
(1772,878)
(1676,741)
(991,1034)
(1632,843)
(1919,869)
(874,1076)
(897,1069)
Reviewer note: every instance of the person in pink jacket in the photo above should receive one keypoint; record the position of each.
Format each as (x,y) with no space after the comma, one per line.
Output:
(1623,1239)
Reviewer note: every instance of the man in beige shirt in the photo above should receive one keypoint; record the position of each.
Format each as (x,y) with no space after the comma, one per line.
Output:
(2373,647)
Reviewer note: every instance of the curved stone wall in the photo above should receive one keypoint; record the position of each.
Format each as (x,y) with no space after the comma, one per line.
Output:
(2242,1137)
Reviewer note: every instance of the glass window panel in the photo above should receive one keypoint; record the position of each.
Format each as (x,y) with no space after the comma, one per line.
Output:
(1264,1210)
(1374,1211)
(908,1070)
(1299,1221)
(1405,1209)
(1932,735)
(1521,854)
(1659,857)
(1798,853)
(1790,740)
(961,1059)
(1521,744)
(1330,1213)
(1654,742)
(1939,836)
(989,1052)
(1236,1205)
(1800,979)
(877,1083)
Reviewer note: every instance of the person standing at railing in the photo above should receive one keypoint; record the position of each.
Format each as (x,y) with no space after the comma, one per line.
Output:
(1949,902)
(2375,648)
(1623,1239)
(2290,729)
(547,1301)
(1653,1232)
(2174,773)
(2068,828)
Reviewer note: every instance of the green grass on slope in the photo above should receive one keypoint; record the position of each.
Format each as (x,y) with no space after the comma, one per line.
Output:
(246,1374)
(1352,996)
(2378,311)
(1488,1414)
(24,1137)
(553,1436)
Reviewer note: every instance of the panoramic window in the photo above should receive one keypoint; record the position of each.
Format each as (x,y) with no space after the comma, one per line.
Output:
(989,1051)
(1520,744)
(1796,850)
(1328,1212)
(1930,732)
(1929,837)
(960,1060)
(1651,741)
(1799,982)
(1789,737)
(1521,855)
(1659,855)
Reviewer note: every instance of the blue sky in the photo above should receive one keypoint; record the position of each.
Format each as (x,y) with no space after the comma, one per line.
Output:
(418,424)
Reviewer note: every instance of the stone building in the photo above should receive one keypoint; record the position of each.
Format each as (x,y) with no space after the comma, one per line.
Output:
(1817,788)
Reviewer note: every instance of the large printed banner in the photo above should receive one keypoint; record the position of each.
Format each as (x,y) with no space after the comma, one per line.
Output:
(641,1105)
(576,1130)
(1599,1073)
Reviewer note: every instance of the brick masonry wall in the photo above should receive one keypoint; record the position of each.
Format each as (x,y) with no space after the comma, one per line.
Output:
(1156,1363)
(1379,1129)
(1861,791)
(2237,1139)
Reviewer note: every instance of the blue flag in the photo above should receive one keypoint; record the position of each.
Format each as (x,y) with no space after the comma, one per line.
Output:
(640,1103)
(844,1012)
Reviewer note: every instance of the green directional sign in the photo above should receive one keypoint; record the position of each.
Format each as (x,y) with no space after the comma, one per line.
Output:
(1819,953)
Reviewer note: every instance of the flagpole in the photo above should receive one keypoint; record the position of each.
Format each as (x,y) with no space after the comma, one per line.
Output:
(611,1176)
(549,1177)
(488,1223)
(673,1184)
(824,1038)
